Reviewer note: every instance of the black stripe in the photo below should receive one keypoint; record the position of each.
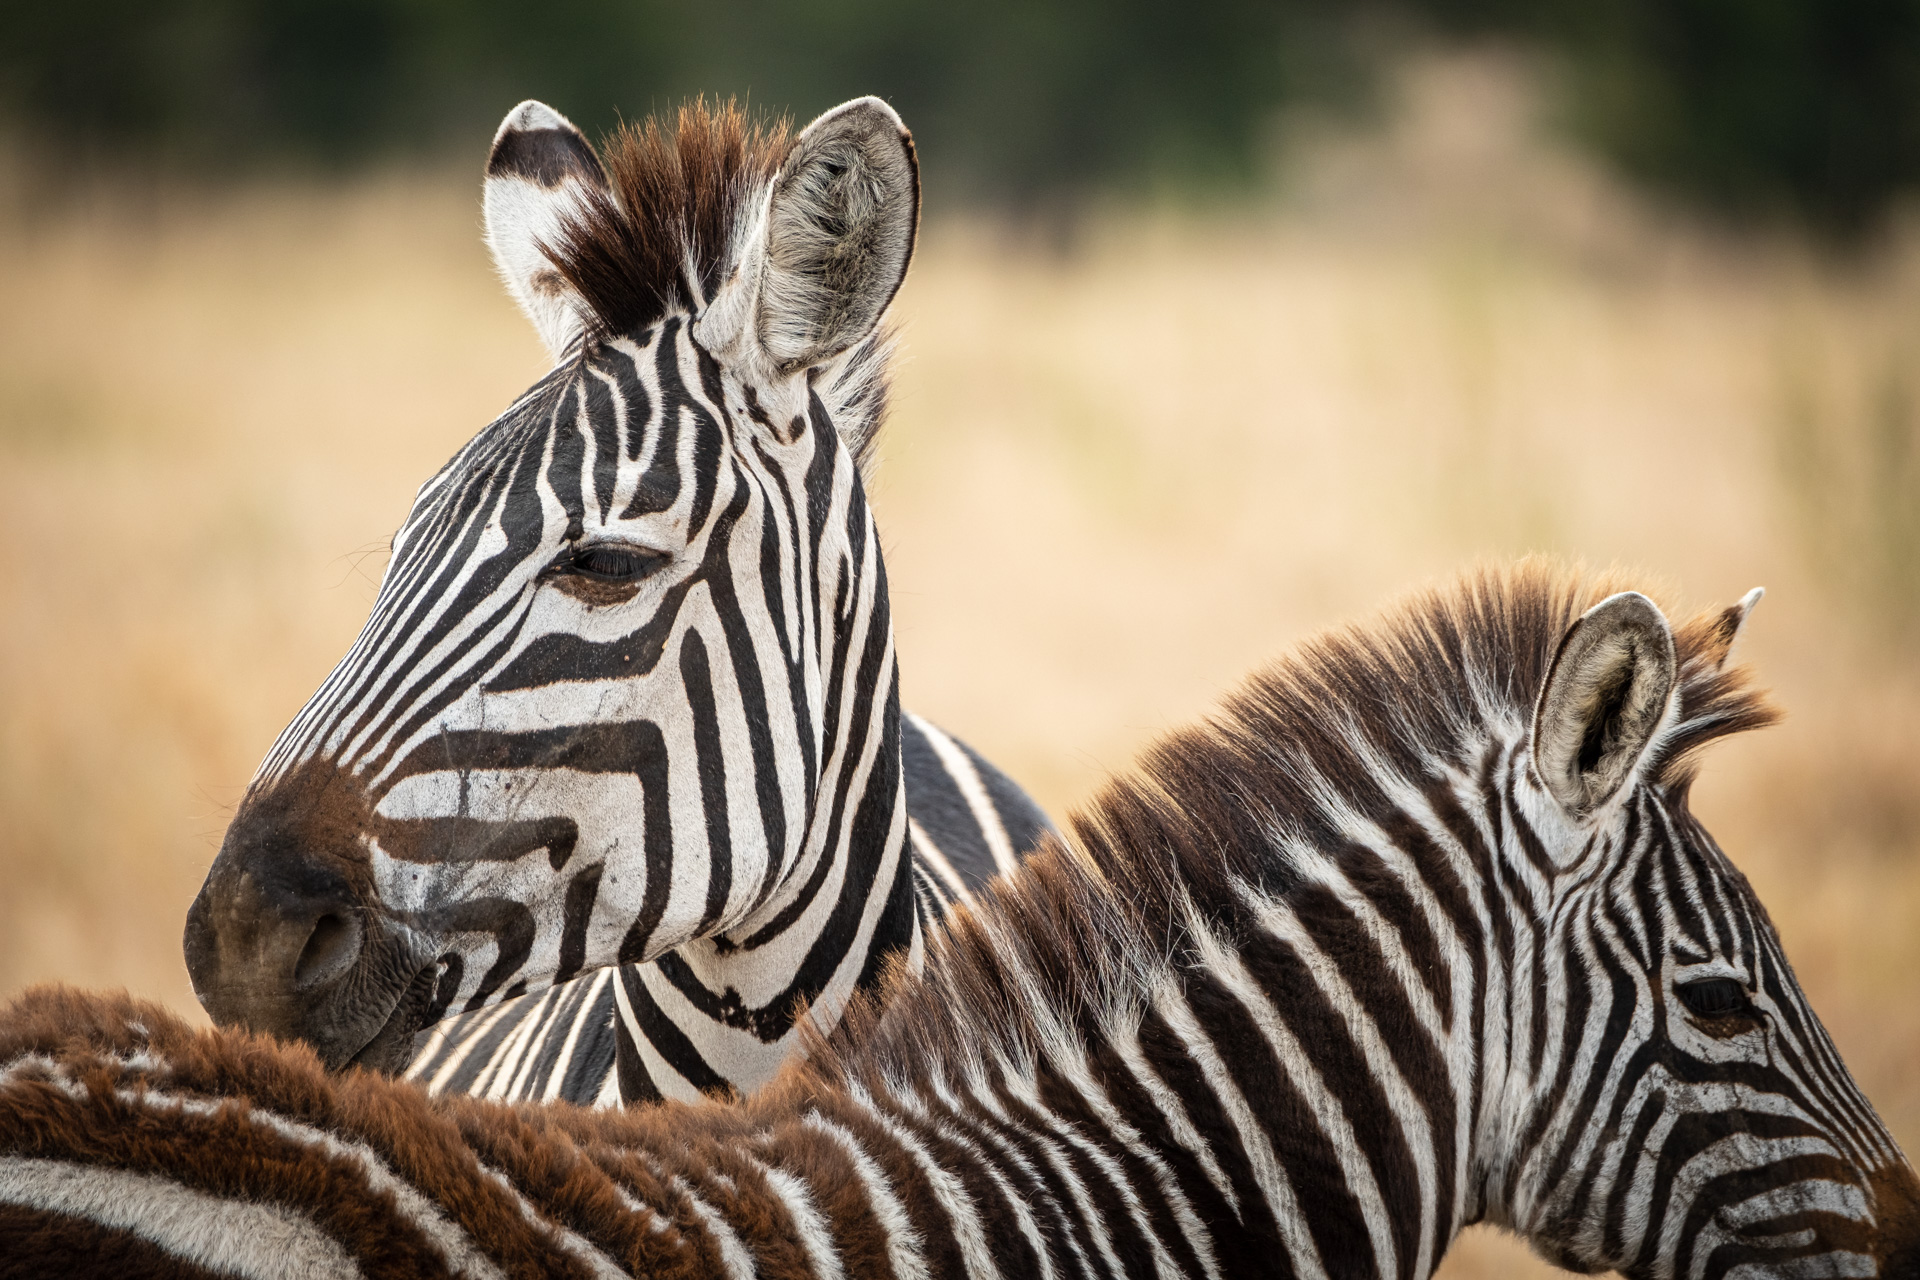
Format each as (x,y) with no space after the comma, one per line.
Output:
(941,810)
(582,890)
(710,761)
(666,1039)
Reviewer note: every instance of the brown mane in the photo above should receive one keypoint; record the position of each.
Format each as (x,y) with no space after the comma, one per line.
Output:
(660,241)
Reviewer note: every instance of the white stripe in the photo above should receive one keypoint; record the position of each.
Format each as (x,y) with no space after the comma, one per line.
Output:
(1090,1217)
(733,1255)
(929,854)
(567,1050)
(574,1243)
(1116,1176)
(1174,1110)
(967,779)
(1074,1069)
(1029,1225)
(1408,1111)
(1272,1179)
(511,1084)
(1014,1204)
(462,1254)
(813,1230)
(251,1240)
(1294,1060)
(947,1189)
(905,1250)
(461,1052)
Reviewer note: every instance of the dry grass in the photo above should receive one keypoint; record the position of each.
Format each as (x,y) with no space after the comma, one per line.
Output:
(1115,481)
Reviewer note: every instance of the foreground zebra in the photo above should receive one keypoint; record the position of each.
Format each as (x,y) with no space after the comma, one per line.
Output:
(628,696)
(1418,932)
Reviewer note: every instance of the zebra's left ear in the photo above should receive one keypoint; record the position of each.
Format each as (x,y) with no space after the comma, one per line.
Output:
(831,248)
(1605,697)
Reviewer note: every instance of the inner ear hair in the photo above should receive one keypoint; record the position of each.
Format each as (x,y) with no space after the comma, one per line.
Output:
(841,222)
(1603,700)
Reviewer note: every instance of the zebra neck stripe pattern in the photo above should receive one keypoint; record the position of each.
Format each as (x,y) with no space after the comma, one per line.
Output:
(1417,932)
(565,1044)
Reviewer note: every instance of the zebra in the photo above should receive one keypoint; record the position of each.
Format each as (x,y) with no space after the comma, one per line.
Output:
(620,745)
(1416,932)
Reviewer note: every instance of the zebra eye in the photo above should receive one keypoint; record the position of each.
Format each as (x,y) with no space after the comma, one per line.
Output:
(609,562)
(1713,997)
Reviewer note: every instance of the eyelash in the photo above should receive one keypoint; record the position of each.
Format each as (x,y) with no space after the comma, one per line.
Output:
(1714,998)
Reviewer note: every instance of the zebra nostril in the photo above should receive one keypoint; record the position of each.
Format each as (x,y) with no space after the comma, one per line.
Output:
(331,949)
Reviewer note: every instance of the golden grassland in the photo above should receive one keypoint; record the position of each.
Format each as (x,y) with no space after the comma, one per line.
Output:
(1117,477)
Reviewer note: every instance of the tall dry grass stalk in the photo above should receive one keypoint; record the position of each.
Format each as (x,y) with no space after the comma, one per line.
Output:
(1114,482)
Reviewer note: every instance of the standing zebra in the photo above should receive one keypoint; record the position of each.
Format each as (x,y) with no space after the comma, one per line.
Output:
(628,694)
(1418,932)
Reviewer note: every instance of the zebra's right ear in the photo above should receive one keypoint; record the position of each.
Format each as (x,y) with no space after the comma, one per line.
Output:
(538,175)
(1608,692)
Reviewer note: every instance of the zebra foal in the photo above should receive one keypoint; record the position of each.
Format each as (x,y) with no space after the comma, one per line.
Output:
(1417,932)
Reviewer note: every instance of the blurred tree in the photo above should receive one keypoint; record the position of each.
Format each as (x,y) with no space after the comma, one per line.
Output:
(1811,107)
(1805,107)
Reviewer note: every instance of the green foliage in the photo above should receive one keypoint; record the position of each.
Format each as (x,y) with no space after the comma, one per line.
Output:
(1804,107)
(1809,107)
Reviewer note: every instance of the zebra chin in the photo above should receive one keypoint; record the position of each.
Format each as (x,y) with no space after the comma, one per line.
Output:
(287,937)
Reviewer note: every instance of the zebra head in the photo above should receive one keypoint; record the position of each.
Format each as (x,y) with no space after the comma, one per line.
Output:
(1676,1108)
(629,681)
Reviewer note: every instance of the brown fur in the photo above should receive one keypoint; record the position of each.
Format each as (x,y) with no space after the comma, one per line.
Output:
(38,1246)
(676,198)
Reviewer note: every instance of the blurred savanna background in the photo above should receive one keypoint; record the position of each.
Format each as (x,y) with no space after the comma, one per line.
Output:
(1229,322)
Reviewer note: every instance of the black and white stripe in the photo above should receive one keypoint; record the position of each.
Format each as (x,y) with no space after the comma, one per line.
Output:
(1417,932)
(967,822)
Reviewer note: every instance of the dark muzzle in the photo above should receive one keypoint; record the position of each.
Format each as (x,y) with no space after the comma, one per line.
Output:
(286,937)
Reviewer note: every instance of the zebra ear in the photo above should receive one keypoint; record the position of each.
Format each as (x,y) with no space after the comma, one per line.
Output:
(1603,700)
(833,245)
(538,175)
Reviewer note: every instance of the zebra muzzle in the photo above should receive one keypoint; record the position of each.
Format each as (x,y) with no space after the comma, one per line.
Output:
(286,936)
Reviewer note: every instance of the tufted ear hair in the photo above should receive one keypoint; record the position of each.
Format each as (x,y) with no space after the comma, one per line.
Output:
(1605,697)
(830,248)
(1727,625)
(538,174)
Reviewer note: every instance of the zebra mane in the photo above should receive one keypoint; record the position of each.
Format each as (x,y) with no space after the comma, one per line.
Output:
(1327,739)
(663,239)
